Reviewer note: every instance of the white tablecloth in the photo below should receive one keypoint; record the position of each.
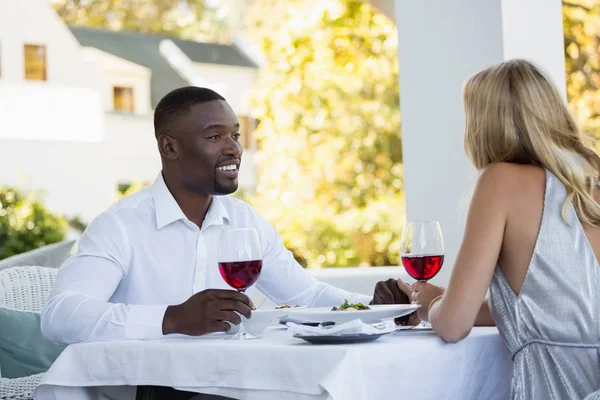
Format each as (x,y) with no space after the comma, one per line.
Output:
(399,366)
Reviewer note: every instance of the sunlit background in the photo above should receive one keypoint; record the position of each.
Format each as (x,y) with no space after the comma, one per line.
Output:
(314,84)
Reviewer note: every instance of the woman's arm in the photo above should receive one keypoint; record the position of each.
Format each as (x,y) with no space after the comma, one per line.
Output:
(429,291)
(484,317)
(453,316)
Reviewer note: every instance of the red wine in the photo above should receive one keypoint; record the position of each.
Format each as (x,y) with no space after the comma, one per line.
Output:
(423,268)
(240,275)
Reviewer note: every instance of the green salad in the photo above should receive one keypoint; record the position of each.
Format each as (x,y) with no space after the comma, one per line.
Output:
(350,306)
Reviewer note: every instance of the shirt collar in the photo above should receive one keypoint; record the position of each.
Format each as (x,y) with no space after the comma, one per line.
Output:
(217,213)
(168,211)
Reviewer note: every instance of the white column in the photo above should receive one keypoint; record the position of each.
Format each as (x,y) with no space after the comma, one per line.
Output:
(442,43)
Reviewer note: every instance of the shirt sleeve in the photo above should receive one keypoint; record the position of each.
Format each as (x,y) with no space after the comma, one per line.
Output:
(78,308)
(284,281)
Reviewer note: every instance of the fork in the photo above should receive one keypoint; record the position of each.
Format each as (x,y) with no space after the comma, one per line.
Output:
(408,328)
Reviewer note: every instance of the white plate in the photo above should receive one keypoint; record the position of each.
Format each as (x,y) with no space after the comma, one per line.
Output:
(291,308)
(376,314)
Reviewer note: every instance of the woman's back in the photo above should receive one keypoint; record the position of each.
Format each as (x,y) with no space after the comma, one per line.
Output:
(544,292)
(523,239)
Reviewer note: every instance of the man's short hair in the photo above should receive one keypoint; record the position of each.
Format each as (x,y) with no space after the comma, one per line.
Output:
(177,104)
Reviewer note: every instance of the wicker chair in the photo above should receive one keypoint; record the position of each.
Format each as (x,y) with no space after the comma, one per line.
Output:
(24,288)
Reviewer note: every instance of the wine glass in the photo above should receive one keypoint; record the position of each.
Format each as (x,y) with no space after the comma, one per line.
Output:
(422,252)
(240,263)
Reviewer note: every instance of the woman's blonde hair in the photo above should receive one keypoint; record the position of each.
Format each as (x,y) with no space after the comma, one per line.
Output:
(515,114)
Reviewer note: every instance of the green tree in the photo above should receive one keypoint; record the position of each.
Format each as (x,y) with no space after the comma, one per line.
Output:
(187,19)
(25,224)
(581,20)
(330,163)
(330,160)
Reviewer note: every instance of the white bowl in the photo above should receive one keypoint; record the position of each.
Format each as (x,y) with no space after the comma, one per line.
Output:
(259,320)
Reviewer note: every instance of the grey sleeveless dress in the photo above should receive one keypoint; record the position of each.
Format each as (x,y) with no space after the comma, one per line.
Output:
(552,328)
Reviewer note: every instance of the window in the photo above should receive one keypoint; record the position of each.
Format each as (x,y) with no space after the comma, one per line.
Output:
(246,130)
(123,99)
(35,62)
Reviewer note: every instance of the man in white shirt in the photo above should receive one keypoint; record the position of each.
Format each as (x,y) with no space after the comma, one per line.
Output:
(147,266)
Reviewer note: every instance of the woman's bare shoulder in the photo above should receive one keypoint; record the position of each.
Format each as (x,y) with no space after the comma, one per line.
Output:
(511,177)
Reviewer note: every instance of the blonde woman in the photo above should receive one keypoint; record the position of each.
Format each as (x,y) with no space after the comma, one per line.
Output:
(532,236)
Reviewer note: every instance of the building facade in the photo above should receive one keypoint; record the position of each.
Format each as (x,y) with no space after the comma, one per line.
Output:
(76,104)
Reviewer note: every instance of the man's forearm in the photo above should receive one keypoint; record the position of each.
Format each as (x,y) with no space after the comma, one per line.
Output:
(73,318)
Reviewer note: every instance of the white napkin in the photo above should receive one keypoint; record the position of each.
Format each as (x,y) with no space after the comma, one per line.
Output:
(354,327)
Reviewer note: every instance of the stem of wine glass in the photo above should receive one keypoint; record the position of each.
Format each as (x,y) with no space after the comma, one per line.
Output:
(243,330)
(243,334)
(423,324)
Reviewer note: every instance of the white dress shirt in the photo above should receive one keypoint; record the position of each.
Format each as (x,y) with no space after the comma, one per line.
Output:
(143,254)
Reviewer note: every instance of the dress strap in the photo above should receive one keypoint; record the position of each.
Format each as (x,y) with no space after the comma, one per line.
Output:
(555,344)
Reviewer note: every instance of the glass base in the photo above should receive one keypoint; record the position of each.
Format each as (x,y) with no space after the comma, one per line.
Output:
(243,336)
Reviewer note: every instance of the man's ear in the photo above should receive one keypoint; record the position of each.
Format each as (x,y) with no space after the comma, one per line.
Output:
(168,147)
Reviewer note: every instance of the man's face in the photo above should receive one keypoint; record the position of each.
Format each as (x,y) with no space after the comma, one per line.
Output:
(208,150)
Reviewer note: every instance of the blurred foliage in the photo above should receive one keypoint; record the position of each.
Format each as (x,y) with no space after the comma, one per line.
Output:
(327,101)
(581,20)
(330,163)
(77,223)
(242,194)
(25,224)
(128,188)
(187,19)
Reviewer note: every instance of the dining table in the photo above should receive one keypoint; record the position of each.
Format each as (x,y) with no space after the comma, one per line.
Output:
(405,364)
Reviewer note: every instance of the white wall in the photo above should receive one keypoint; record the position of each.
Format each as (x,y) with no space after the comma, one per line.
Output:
(51,131)
(114,71)
(132,147)
(236,81)
(75,177)
(35,22)
(540,39)
(442,43)
(50,112)
(56,109)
